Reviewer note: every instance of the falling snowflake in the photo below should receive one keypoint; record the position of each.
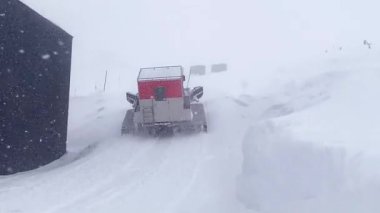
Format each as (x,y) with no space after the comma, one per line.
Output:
(22,51)
(45,57)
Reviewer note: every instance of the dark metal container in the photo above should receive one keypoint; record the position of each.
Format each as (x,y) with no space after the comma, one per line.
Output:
(35,62)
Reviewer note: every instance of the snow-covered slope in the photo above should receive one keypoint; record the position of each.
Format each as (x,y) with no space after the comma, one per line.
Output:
(316,149)
(293,123)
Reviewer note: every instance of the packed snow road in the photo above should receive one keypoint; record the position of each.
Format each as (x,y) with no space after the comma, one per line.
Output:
(106,172)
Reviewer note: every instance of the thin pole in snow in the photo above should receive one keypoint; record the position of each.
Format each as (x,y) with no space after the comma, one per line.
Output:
(105,81)
(188,80)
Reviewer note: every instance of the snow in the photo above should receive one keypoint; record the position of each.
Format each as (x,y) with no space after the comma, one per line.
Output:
(160,72)
(106,172)
(45,56)
(278,150)
(279,171)
(293,123)
(316,149)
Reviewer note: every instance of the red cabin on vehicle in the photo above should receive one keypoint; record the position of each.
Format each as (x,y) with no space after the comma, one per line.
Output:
(163,103)
(160,83)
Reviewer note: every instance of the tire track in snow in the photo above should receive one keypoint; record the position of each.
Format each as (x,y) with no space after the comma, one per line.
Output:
(186,190)
(86,199)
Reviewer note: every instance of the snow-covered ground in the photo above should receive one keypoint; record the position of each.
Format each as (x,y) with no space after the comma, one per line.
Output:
(316,149)
(106,172)
(302,146)
(293,123)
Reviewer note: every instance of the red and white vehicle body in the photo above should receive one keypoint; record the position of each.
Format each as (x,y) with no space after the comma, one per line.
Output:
(162,101)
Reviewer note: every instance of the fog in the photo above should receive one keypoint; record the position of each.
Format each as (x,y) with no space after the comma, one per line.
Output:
(252,36)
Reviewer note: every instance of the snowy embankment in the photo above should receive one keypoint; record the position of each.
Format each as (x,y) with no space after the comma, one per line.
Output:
(316,149)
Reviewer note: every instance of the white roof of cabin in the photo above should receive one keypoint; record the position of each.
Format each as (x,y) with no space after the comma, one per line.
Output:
(160,73)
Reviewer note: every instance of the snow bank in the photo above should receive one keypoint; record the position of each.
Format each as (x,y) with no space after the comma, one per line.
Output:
(315,148)
(279,170)
(348,117)
(281,174)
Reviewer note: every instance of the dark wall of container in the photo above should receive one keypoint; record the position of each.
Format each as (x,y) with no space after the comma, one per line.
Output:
(35,61)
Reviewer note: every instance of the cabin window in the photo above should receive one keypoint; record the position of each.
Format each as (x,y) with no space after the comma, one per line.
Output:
(160,93)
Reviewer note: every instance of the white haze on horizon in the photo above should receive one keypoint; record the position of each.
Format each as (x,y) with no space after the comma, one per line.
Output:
(252,36)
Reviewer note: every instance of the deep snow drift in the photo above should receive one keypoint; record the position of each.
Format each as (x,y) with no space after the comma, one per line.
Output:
(316,149)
